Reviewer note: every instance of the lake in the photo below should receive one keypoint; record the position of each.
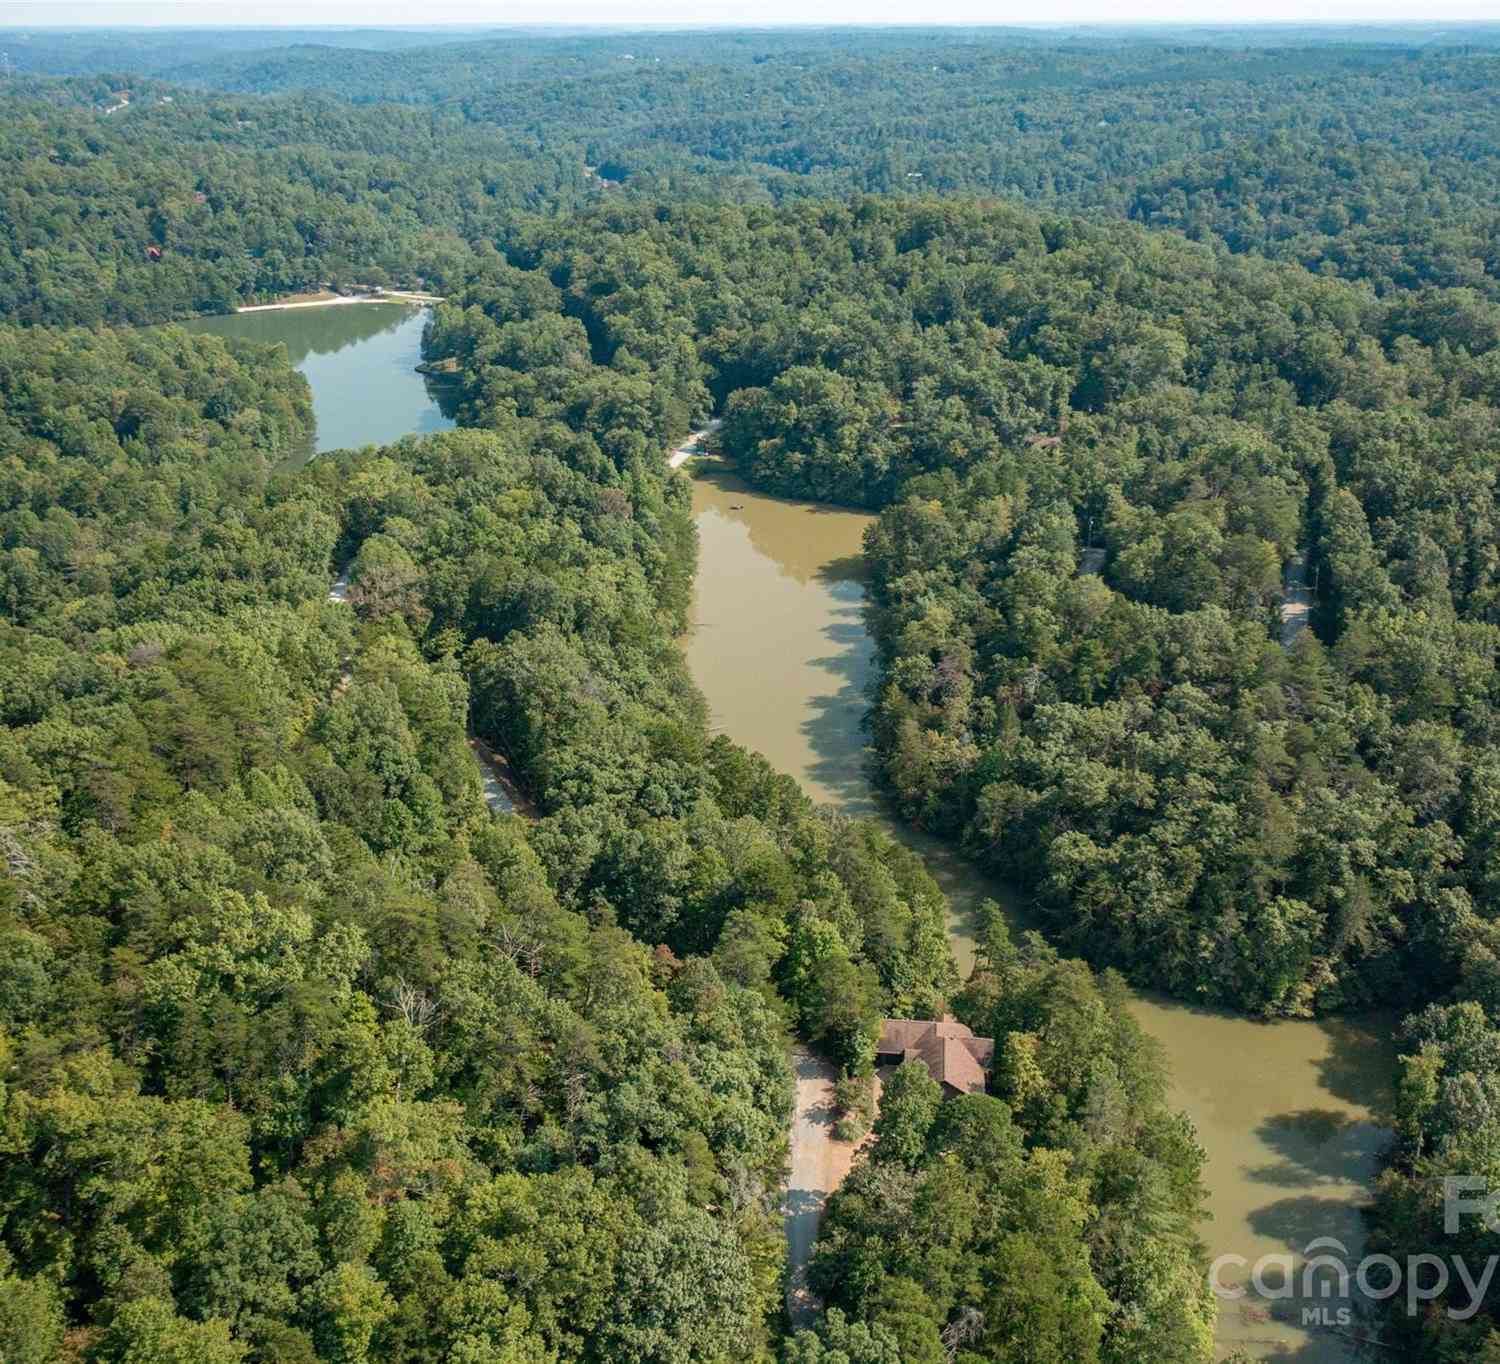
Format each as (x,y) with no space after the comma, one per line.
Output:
(360,360)
(1289,1112)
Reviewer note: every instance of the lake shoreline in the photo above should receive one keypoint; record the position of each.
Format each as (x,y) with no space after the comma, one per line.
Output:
(1293,1113)
(360,363)
(343,300)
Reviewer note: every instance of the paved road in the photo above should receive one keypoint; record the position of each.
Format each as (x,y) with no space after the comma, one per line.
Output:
(1297,603)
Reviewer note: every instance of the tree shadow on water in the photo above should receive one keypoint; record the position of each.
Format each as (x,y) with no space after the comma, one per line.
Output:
(835,726)
(1308,1316)
(1360,1066)
(848,568)
(1319,1146)
(1275,1333)
(1297,1222)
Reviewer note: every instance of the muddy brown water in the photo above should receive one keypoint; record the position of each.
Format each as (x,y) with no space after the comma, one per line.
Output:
(1290,1113)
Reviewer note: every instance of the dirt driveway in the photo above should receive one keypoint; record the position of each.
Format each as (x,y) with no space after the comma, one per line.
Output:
(819,1165)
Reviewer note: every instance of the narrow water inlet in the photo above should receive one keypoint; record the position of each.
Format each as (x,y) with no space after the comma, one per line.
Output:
(1288,1112)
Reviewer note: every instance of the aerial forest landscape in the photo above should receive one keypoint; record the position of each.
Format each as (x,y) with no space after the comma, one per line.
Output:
(724,695)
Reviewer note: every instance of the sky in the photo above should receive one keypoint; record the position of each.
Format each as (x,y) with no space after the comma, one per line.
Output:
(764,13)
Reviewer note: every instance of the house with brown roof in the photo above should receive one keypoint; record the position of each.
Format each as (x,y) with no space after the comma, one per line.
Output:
(954,1057)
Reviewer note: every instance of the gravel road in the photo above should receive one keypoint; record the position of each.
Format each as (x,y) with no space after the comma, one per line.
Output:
(819,1165)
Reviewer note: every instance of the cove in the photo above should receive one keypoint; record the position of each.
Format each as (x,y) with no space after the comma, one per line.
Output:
(1290,1113)
(360,361)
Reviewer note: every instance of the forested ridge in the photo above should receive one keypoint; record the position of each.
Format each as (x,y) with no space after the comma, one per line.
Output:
(305,1055)
(182,204)
(1013,389)
(273,170)
(1288,829)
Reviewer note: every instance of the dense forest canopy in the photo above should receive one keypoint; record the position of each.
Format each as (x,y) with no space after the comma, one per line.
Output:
(310,1055)
(1285,826)
(1014,389)
(161,51)
(1373,161)
(305,1055)
(182,204)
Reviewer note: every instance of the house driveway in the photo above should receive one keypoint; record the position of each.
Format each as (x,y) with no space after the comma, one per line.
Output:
(819,1165)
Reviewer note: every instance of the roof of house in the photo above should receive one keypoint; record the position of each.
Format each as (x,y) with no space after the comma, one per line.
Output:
(950,1051)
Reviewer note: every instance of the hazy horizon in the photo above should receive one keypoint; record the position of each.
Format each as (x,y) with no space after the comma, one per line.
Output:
(463,15)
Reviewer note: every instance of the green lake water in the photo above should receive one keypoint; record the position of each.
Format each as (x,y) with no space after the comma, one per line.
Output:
(360,360)
(1291,1114)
